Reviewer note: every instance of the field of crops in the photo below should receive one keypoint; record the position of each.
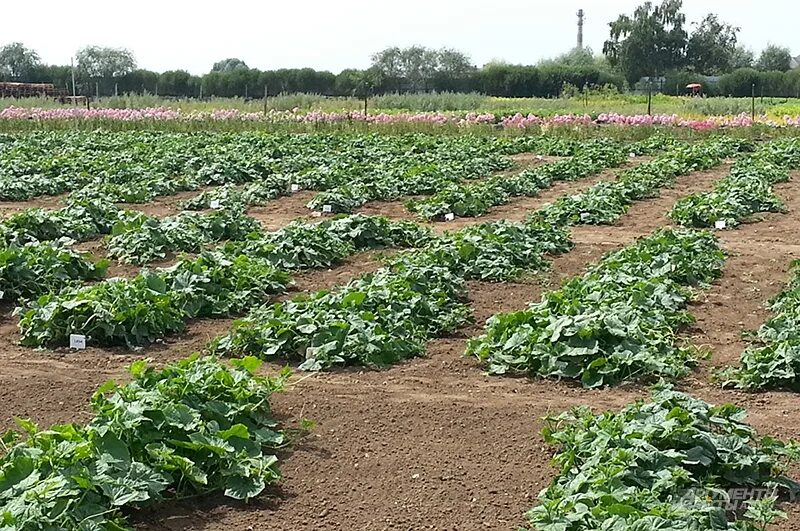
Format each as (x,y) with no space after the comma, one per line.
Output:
(557,332)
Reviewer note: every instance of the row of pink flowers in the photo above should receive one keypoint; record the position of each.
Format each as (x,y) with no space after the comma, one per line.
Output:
(518,121)
(671,120)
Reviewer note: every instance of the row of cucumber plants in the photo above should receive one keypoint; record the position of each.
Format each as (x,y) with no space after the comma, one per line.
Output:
(80,220)
(615,323)
(255,193)
(35,268)
(773,358)
(671,463)
(746,191)
(153,304)
(195,427)
(225,282)
(475,199)
(140,239)
(375,320)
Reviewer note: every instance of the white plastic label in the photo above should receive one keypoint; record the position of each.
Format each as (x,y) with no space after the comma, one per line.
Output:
(77,341)
(585,216)
(214,204)
(449,217)
(633,155)
(295,188)
(539,157)
(327,209)
(719,224)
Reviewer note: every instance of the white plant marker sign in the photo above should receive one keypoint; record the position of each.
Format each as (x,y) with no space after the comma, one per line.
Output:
(449,217)
(327,209)
(77,341)
(214,204)
(295,188)
(720,224)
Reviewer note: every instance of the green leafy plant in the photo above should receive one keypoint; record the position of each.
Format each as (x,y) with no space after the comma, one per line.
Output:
(615,323)
(377,319)
(667,463)
(151,305)
(37,268)
(142,239)
(192,428)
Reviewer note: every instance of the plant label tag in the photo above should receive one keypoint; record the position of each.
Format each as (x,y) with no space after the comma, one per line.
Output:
(585,216)
(633,155)
(295,188)
(720,224)
(449,217)
(327,209)
(214,204)
(539,157)
(77,341)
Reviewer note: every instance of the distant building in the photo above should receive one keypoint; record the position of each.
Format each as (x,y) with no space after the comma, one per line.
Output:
(795,62)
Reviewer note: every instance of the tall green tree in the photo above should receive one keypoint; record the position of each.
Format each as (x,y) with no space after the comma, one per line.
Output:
(389,63)
(229,65)
(742,58)
(17,62)
(420,64)
(103,65)
(650,42)
(775,58)
(712,46)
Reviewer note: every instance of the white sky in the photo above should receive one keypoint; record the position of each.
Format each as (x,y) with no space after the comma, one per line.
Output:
(337,34)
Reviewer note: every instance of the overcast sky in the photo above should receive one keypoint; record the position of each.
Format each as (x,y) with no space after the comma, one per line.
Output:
(337,34)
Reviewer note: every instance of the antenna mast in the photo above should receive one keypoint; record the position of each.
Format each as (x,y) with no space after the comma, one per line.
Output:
(580,29)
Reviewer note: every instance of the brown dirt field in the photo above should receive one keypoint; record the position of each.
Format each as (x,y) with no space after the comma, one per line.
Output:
(281,211)
(434,443)
(46,201)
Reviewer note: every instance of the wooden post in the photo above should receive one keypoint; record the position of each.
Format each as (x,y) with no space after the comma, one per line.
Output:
(265,100)
(649,97)
(753,97)
(97,90)
(116,88)
(72,66)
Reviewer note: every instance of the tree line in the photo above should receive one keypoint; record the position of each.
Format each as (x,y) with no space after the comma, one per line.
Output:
(653,42)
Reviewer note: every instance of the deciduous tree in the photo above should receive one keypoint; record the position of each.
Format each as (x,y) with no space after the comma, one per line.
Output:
(650,42)
(17,61)
(712,46)
(775,58)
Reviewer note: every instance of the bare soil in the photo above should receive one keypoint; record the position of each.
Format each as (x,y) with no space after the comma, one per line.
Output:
(434,443)
(8,208)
